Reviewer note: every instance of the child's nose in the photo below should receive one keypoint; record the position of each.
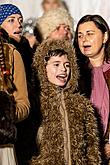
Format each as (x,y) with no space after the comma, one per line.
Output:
(63,68)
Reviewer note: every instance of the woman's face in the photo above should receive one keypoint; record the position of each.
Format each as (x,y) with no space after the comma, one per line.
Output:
(50,4)
(91,39)
(58,70)
(13,25)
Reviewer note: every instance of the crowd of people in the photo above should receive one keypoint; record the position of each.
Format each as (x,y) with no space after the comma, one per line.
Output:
(54,87)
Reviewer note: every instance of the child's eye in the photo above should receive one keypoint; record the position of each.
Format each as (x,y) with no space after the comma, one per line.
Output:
(56,64)
(67,65)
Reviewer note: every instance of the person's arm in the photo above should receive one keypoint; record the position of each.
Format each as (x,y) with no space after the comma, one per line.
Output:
(21,95)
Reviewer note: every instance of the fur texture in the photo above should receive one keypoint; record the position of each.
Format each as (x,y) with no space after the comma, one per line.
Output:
(52,19)
(7,117)
(84,140)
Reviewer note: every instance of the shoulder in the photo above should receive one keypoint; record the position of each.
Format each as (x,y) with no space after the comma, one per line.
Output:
(11,50)
(8,46)
(81,99)
(82,104)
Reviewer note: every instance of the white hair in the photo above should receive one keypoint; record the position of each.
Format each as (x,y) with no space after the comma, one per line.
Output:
(52,19)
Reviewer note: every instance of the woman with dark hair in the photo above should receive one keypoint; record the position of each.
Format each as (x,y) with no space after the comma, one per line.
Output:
(92,46)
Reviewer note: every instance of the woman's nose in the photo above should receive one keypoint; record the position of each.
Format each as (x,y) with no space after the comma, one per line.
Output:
(19,24)
(85,37)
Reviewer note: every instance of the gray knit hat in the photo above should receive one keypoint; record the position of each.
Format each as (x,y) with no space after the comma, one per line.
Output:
(52,19)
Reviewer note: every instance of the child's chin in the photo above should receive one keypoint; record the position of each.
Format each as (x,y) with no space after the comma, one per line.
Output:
(61,85)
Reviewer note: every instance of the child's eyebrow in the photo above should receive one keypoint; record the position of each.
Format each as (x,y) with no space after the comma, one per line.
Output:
(52,62)
(61,61)
(56,61)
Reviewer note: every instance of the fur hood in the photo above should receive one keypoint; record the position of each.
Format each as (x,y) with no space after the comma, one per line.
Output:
(40,65)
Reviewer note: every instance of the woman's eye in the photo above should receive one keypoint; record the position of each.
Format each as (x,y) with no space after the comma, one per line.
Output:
(21,21)
(11,20)
(90,34)
(79,36)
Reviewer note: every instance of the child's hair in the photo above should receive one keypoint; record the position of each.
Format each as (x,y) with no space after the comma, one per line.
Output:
(56,52)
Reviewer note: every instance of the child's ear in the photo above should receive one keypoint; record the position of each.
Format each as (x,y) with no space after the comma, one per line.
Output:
(105,37)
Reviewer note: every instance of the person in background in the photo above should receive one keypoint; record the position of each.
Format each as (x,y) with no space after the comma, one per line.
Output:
(11,21)
(46,6)
(14,103)
(92,47)
(28,32)
(51,4)
(68,131)
(55,24)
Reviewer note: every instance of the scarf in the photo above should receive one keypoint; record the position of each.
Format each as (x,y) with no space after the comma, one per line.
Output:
(100,93)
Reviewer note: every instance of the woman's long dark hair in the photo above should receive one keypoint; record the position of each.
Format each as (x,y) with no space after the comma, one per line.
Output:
(82,60)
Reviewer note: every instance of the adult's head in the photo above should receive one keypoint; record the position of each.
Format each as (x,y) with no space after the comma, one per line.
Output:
(92,37)
(11,20)
(55,24)
(51,4)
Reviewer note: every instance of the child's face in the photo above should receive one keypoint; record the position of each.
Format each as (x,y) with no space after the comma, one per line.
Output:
(58,70)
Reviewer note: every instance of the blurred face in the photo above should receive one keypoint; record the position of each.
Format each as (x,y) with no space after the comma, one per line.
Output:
(13,25)
(62,31)
(58,70)
(91,40)
(50,4)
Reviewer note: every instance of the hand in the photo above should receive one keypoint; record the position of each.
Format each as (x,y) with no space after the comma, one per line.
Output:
(107,150)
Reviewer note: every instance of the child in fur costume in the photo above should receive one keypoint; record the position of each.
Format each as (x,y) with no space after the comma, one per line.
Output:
(68,133)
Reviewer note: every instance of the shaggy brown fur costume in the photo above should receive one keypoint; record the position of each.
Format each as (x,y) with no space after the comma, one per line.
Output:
(84,140)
